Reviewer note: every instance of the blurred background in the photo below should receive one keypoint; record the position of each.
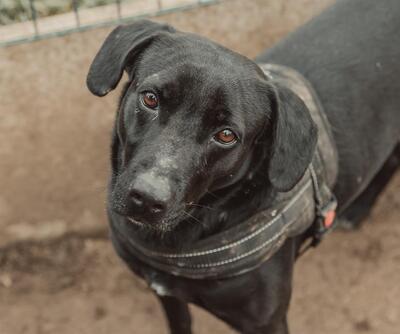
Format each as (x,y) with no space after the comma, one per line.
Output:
(58,272)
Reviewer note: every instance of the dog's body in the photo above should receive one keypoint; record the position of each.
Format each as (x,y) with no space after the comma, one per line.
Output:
(350,54)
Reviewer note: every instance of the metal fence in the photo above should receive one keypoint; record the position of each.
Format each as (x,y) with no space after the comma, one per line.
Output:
(78,18)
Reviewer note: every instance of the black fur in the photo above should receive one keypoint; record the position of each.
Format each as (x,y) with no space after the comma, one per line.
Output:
(172,183)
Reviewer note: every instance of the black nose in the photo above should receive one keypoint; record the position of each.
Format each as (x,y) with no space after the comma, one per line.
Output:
(146,202)
(149,196)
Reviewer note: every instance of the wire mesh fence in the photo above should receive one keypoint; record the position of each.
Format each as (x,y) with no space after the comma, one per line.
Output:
(28,20)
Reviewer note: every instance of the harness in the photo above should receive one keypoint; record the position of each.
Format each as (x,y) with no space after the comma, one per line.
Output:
(308,207)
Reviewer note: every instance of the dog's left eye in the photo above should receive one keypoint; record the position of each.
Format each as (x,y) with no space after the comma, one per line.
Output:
(226,137)
(150,100)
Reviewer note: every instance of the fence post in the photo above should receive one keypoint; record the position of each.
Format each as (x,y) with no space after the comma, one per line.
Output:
(34,17)
(75,6)
(118,3)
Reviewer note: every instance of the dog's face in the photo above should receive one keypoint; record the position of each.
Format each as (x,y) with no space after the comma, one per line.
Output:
(188,123)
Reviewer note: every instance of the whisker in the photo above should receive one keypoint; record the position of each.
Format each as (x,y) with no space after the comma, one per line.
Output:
(205,162)
(212,194)
(188,214)
(201,206)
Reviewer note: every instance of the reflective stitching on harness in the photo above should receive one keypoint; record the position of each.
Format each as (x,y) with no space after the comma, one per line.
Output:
(237,258)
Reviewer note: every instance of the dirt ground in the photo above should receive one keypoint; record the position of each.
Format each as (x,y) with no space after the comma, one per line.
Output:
(76,285)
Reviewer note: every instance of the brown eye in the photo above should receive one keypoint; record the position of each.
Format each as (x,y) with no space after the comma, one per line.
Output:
(225,136)
(150,100)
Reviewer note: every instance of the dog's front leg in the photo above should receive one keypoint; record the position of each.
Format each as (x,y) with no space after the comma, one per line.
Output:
(178,315)
(256,302)
(275,327)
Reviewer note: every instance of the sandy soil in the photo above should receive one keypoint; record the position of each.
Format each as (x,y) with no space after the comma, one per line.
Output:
(76,285)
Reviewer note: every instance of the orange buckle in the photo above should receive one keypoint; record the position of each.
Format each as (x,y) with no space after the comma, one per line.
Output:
(329,218)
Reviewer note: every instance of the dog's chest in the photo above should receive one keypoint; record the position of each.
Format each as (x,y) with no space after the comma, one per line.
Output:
(160,289)
(163,285)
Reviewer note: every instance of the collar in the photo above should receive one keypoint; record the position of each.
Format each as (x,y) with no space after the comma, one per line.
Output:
(310,205)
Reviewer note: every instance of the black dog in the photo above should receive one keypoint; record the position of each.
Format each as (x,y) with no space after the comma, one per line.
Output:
(203,141)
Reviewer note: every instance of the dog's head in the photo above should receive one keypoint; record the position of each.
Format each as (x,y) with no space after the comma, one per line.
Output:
(193,119)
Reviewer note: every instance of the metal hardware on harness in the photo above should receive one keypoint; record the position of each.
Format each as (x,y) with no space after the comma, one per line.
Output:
(309,206)
(325,215)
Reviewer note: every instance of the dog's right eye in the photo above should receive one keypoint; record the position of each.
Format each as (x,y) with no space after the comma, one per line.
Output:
(226,137)
(150,100)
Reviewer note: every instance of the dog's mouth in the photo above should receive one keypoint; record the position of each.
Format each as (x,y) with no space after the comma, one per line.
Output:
(162,226)
(136,222)
(165,225)
(146,225)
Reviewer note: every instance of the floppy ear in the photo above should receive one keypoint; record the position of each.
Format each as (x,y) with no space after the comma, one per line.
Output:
(294,138)
(120,48)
